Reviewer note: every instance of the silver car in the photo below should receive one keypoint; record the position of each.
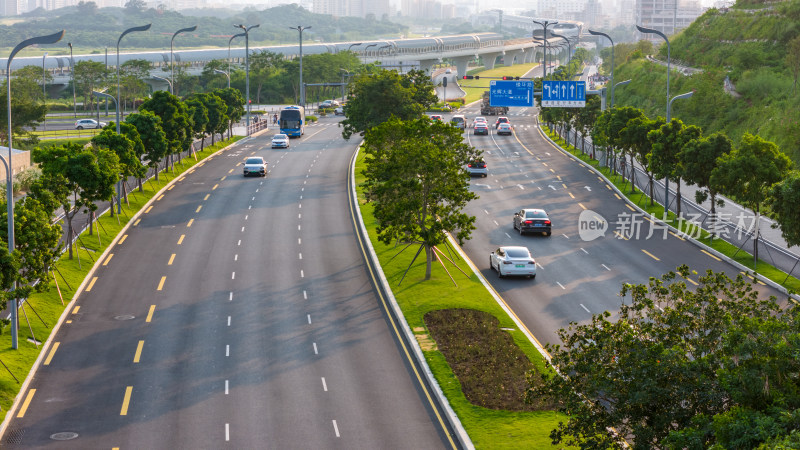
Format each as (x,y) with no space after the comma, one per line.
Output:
(513,261)
(256,166)
(88,123)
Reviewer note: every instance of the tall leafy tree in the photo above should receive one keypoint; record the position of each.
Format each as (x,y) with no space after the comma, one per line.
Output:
(153,137)
(90,76)
(699,159)
(416,179)
(586,117)
(132,86)
(77,178)
(263,65)
(784,204)
(36,238)
(125,149)
(377,96)
(748,173)
(175,120)
(667,142)
(34,76)
(217,115)
(678,367)
(27,114)
(234,102)
(199,112)
(636,133)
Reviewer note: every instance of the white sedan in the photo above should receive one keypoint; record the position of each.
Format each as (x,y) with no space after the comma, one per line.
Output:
(513,261)
(280,141)
(504,128)
(255,165)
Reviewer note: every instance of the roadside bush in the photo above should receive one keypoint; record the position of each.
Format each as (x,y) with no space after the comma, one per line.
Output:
(311,119)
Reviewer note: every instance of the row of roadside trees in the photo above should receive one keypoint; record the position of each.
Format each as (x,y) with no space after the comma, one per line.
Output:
(77,178)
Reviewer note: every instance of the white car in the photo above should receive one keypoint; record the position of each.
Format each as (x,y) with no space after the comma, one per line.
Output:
(329,104)
(88,123)
(255,165)
(513,261)
(478,169)
(339,111)
(478,120)
(280,141)
(504,128)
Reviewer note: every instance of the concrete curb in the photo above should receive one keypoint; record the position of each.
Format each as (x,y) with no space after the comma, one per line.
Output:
(460,432)
(763,279)
(49,342)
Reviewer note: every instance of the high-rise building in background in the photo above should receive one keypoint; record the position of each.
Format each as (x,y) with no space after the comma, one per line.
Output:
(354,8)
(666,16)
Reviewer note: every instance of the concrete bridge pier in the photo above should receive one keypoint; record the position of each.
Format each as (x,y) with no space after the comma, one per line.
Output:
(510,55)
(426,65)
(489,59)
(461,65)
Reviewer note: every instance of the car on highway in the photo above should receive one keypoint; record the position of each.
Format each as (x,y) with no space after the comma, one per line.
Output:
(459,121)
(339,111)
(480,128)
(88,123)
(478,120)
(280,141)
(255,165)
(500,120)
(532,220)
(513,260)
(478,168)
(436,117)
(504,128)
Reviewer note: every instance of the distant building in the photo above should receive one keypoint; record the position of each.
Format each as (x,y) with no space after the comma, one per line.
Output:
(353,8)
(666,16)
(561,9)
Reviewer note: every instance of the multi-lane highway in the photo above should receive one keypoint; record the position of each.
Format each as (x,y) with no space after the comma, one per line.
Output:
(575,278)
(236,313)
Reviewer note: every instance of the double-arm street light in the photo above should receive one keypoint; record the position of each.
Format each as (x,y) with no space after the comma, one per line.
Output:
(129,30)
(44,87)
(229,55)
(119,182)
(72,74)
(348,79)
(171,63)
(39,40)
(247,68)
(569,45)
(598,33)
(544,24)
(302,88)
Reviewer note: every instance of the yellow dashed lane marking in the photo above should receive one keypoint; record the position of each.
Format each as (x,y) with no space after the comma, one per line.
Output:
(159,197)
(52,352)
(206,197)
(137,222)
(609,188)
(125,236)
(138,353)
(27,402)
(692,281)
(126,401)
(544,164)
(111,255)
(223,178)
(91,284)
(180,239)
(630,207)
(148,209)
(711,255)
(77,308)
(150,313)
(161,283)
(181,178)
(570,194)
(581,205)
(171,259)
(198,209)
(170,188)
(215,186)
(191,221)
(621,236)
(564,185)
(677,236)
(231,171)
(617,195)
(650,255)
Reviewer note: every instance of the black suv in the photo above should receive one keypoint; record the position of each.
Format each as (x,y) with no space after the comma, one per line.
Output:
(532,220)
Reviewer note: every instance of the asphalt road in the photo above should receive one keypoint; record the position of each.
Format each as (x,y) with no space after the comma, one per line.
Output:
(575,278)
(238,313)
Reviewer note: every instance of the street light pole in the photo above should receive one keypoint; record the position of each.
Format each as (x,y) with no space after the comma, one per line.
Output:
(171,63)
(544,24)
(44,88)
(229,55)
(39,40)
(663,36)
(302,88)
(666,180)
(165,80)
(569,45)
(353,45)
(365,51)
(119,182)
(597,33)
(247,68)
(226,74)
(129,30)
(348,80)
(72,73)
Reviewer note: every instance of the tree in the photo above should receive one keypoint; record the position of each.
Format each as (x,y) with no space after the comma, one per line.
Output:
(620,137)
(667,142)
(90,76)
(784,204)
(175,120)
(587,116)
(199,113)
(416,179)
(699,159)
(132,86)
(36,238)
(793,59)
(678,367)
(33,87)
(217,115)
(234,102)
(748,173)
(263,65)
(28,113)
(76,178)
(378,96)
(124,148)
(135,5)
(636,133)
(153,137)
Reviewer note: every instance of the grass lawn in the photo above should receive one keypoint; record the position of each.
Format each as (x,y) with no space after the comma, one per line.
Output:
(475,88)
(643,201)
(487,428)
(67,277)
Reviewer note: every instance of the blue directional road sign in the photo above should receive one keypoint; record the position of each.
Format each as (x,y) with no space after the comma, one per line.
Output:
(510,93)
(564,94)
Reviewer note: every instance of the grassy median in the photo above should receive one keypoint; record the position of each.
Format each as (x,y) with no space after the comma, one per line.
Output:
(425,302)
(42,310)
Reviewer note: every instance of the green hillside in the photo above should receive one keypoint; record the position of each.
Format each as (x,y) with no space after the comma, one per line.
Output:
(749,44)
